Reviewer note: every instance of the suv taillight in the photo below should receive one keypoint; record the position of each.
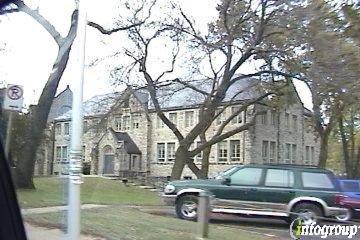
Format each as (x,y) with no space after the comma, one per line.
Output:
(339,199)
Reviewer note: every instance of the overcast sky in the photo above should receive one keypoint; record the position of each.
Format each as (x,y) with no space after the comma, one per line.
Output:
(30,51)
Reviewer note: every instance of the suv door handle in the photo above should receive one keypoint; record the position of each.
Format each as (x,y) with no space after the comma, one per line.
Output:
(251,190)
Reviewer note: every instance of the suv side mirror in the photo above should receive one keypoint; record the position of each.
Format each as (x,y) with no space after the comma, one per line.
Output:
(226,181)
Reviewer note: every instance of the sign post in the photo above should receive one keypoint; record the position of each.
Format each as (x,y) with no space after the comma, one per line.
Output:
(13,101)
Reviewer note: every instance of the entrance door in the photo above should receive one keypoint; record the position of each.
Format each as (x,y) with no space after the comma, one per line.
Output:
(108,164)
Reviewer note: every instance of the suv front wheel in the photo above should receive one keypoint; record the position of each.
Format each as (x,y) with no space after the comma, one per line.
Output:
(309,213)
(186,207)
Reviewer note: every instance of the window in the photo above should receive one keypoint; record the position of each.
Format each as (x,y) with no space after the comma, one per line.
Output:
(86,126)
(58,129)
(161,152)
(171,152)
(316,180)
(307,155)
(265,151)
(64,153)
(272,155)
(264,118)
(83,153)
(287,120)
(221,117)
(312,161)
(159,122)
(136,120)
(61,153)
(173,117)
(118,126)
(235,150)
(200,155)
(287,152)
(293,153)
(133,162)
(246,176)
(192,146)
(58,154)
(350,186)
(279,178)
(67,128)
(126,122)
(238,117)
(273,117)
(222,151)
(189,118)
(295,123)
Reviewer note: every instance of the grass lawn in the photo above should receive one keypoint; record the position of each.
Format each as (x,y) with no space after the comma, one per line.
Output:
(129,223)
(53,191)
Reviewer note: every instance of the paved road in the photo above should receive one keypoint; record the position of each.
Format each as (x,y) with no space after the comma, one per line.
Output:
(271,227)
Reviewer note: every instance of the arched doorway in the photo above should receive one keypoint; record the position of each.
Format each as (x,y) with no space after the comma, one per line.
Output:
(108,160)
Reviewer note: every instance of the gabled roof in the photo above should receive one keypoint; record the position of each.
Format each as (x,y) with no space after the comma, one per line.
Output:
(171,96)
(97,105)
(177,95)
(129,145)
(63,91)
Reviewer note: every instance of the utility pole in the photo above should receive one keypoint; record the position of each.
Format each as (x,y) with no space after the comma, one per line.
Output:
(75,168)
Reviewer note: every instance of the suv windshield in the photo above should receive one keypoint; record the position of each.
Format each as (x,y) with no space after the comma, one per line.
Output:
(227,172)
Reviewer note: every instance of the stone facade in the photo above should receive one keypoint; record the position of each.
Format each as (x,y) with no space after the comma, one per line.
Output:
(279,136)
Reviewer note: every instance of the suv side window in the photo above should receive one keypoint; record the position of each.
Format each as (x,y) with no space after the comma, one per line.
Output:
(246,176)
(316,180)
(279,178)
(351,186)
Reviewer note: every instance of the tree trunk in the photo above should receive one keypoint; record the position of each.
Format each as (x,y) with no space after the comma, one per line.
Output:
(357,164)
(348,167)
(205,163)
(324,139)
(38,120)
(179,164)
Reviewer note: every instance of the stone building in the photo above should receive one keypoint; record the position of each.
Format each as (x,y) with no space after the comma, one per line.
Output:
(45,155)
(124,137)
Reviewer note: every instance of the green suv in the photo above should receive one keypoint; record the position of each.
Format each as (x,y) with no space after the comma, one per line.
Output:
(262,190)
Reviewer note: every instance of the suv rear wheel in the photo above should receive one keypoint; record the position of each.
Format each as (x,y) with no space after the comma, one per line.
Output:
(309,213)
(186,207)
(345,217)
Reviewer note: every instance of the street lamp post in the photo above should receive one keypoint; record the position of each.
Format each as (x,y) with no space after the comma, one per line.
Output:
(75,168)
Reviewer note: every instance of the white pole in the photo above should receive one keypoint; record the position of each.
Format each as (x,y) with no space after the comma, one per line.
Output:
(75,167)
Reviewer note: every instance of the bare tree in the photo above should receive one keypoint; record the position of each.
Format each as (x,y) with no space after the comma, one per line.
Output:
(330,61)
(244,32)
(37,120)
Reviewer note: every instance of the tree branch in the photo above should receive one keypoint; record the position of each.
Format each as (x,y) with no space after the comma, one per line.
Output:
(8,11)
(222,137)
(111,31)
(41,20)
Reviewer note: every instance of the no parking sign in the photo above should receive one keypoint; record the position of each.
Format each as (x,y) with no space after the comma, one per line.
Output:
(14,97)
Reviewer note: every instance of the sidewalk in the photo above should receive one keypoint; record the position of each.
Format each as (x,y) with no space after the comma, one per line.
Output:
(56,209)
(34,232)
(41,233)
